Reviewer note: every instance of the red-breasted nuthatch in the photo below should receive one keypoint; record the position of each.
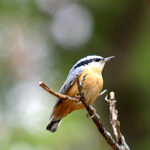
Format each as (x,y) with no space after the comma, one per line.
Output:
(90,65)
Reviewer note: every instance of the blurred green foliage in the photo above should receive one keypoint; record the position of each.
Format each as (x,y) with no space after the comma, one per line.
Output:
(40,40)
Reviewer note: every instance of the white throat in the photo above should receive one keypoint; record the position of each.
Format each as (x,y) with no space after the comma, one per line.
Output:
(96,65)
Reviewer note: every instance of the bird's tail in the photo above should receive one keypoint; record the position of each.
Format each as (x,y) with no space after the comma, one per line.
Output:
(53,125)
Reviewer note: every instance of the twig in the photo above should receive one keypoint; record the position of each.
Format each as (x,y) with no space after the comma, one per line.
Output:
(103,92)
(58,95)
(115,123)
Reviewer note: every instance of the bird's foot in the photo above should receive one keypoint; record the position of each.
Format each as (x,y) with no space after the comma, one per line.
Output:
(93,113)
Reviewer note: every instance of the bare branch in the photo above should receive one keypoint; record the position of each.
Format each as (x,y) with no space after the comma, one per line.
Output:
(58,95)
(115,123)
(103,92)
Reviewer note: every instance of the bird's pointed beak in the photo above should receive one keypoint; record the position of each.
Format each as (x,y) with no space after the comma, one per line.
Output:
(109,58)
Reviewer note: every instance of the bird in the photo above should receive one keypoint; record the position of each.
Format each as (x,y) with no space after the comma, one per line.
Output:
(91,66)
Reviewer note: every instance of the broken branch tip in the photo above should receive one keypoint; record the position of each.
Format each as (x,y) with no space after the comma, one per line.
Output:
(40,82)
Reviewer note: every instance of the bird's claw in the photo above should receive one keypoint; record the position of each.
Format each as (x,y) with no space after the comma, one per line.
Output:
(93,113)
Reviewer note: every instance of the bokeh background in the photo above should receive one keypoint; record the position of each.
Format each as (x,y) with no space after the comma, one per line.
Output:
(42,39)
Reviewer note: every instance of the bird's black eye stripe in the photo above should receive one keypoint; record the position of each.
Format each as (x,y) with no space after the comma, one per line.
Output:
(97,59)
(86,62)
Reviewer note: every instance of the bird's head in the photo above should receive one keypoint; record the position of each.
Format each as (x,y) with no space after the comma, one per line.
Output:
(94,61)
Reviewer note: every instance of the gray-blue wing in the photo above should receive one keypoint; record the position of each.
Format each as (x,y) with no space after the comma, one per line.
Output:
(71,78)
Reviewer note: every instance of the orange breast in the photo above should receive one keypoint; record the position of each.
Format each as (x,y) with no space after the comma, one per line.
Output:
(92,87)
